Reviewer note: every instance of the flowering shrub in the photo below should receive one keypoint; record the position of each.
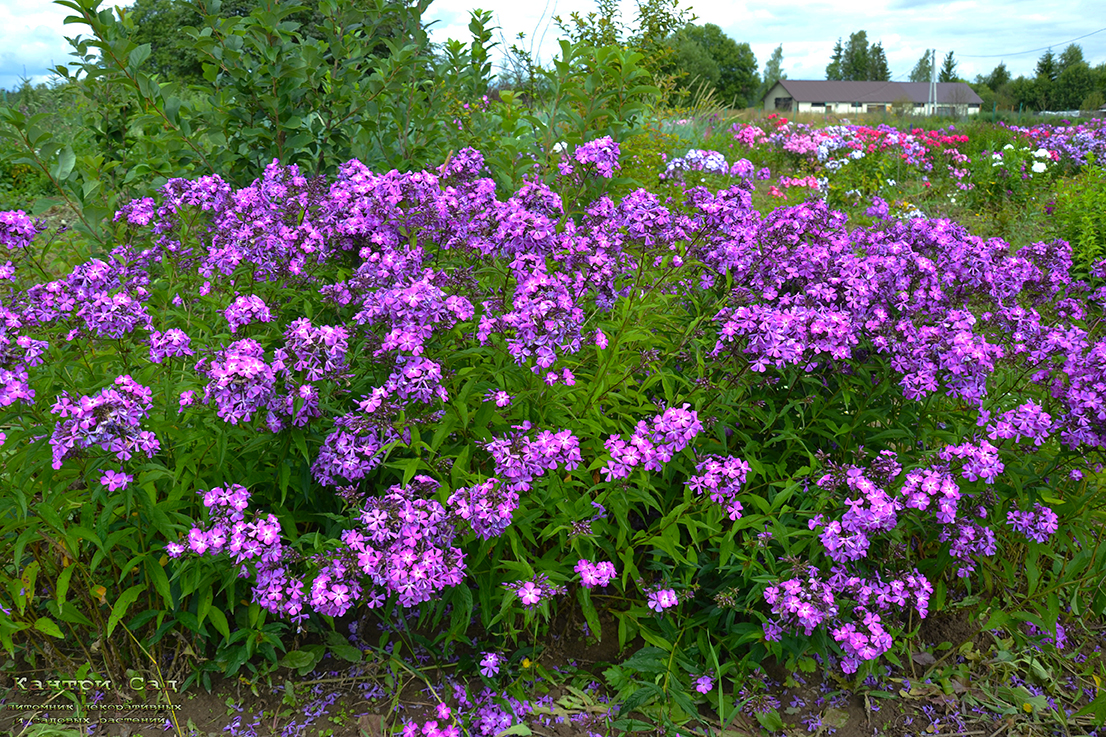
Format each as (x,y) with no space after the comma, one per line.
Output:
(774,432)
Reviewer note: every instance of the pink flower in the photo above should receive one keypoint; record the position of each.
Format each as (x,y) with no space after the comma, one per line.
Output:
(530,594)
(489,666)
(115,480)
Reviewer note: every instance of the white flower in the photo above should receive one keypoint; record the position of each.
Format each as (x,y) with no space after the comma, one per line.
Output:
(1039,166)
(559,147)
(1042,153)
(1007,147)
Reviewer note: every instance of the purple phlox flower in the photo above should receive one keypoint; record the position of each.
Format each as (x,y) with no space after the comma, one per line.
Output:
(595,574)
(115,480)
(246,309)
(489,665)
(533,593)
(1038,525)
(500,397)
(661,599)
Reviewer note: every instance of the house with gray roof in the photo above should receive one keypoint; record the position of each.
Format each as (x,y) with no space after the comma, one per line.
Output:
(852,98)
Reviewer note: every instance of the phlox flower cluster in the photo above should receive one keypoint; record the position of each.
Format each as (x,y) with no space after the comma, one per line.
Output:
(721,477)
(1027,419)
(18,353)
(595,574)
(652,443)
(246,309)
(408,544)
(487,507)
(533,593)
(659,599)
(808,601)
(545,321)
(241,383)
(111,419)
(519,460)
(696,159)
(17,229)
(254,544)
(173,343)
(602,153)
(356,445)
(405,546)
(799,602)
(1038,525)
(1069,144)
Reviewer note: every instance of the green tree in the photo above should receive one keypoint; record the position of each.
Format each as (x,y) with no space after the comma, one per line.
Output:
(877,64)
(834,68)
(1071,56)
(1072,86)
(999,77)
(1092,103)
(1048,67)
(948,69)
(1023,93)
(173,55)
(923,70)
(1048,71)
(773,72)
(706,53)
(656,23)
(854,64)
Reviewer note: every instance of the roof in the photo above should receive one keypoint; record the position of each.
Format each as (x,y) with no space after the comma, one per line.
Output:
(948,93)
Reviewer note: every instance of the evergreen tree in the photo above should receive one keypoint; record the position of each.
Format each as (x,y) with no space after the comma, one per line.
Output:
(1047,66)
(773,72)
(998,77)
(833,70)
(1071,56)
(948,69)
(877,64)
(773,68)
(854,64)
(923,70)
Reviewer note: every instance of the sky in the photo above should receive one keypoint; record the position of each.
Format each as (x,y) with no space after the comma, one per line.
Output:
(980,33)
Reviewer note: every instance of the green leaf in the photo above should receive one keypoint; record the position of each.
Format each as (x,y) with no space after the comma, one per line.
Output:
(645,693)
(647,660)
(121,606)
(219,621)
(63,584)
(299,659)
(66,160)
(138,55)
(519,729)
(770,720)
(345,651)
(48,627)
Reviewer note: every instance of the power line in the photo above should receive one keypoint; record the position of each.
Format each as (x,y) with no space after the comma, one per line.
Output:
(1030,51)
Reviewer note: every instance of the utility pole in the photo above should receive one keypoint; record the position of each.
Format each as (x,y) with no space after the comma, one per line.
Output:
(933,83)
